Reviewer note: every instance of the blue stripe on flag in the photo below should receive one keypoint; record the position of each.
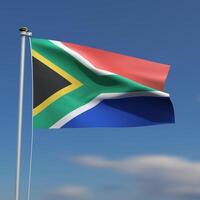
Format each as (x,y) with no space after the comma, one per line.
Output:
(127,112)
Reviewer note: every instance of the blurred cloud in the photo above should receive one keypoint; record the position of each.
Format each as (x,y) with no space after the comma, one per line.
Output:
(198,98)
(158,177)
(70,192)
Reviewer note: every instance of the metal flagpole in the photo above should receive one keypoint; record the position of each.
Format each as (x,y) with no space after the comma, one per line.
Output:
(23,32)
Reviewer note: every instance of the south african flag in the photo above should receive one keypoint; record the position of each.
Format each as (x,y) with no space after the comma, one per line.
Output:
(79,86)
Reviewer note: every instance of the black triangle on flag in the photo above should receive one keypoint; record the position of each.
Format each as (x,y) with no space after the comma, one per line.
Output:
(46,82)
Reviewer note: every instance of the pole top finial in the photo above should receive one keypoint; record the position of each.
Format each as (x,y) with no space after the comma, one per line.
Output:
(23,29)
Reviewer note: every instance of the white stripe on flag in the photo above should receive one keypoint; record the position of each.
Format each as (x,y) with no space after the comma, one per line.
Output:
(100,98)
(81,59)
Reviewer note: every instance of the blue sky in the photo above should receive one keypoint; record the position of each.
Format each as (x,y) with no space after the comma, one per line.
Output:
(142,163)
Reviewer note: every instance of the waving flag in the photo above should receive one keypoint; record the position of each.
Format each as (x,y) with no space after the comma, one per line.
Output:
(79,86)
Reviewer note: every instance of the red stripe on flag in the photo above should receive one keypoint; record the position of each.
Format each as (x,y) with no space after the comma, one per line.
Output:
(145,72)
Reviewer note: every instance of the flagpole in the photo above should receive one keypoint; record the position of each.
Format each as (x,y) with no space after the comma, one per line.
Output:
(23,32)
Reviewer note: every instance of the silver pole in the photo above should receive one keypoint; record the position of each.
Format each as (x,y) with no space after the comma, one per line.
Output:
(23,32)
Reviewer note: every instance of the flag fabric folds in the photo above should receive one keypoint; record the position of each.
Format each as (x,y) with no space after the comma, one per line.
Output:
(79,86)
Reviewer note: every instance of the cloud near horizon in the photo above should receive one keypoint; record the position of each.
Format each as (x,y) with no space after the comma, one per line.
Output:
(198,98)
(158,176)
(70,192)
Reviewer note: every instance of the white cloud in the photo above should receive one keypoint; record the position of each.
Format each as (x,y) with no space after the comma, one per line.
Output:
(198,98)
(156,175)
(72,192)
(93,161)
